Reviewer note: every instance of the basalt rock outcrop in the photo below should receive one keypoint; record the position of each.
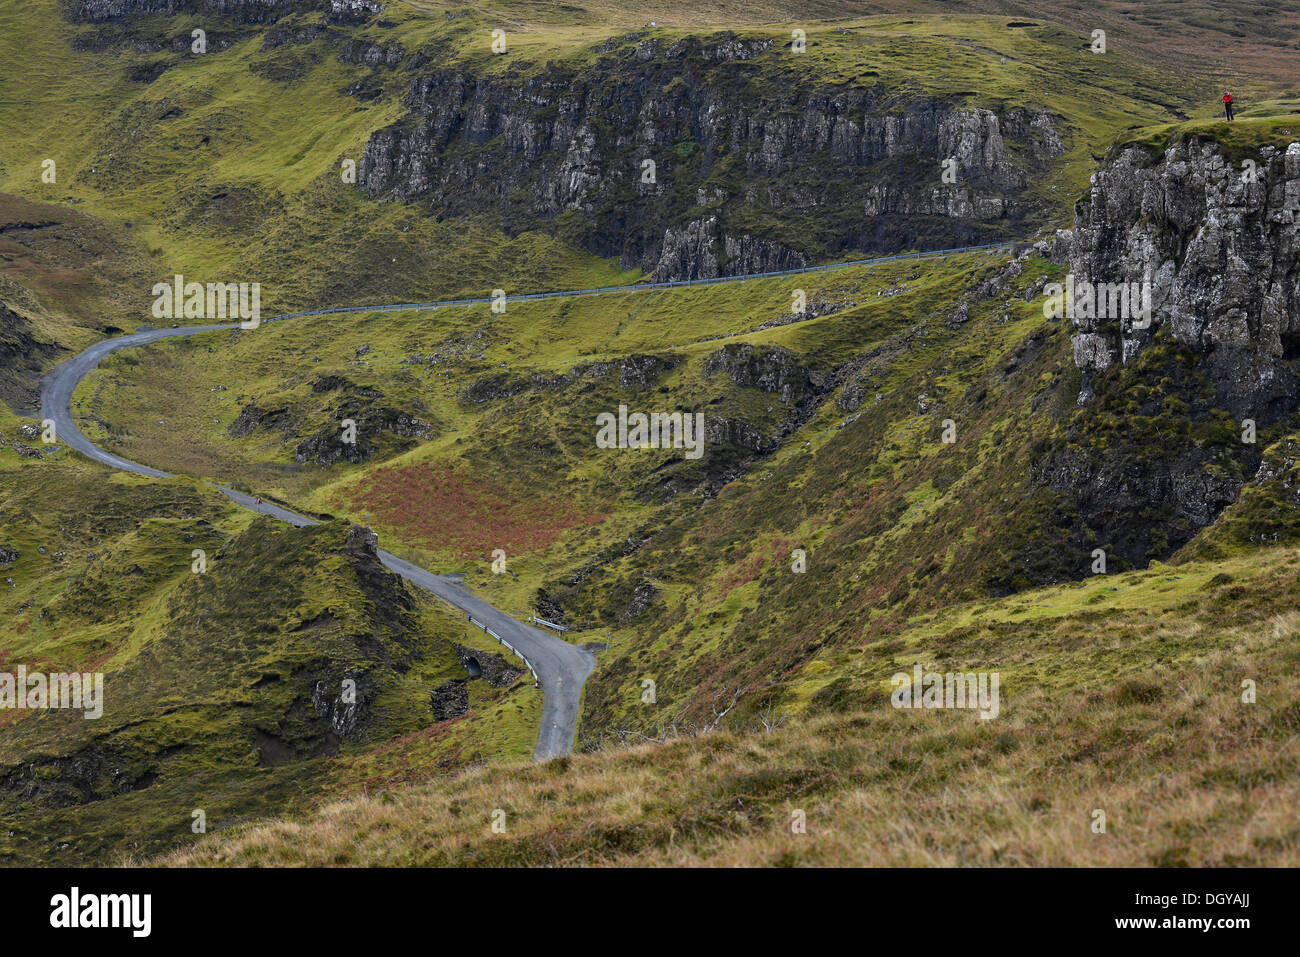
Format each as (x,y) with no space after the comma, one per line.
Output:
(357,424)
(1178,405)
(253,417)
(1220,246)
(754,167)
(331,443)
(700,249)
(768,368)
(635,371)
(21,357)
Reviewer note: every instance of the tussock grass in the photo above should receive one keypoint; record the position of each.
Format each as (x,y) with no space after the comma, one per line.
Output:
(1121,695)
(1185,772)
(208,679)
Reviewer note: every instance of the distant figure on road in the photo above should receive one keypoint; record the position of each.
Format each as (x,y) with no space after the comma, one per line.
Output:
(259,501)
(1227,104)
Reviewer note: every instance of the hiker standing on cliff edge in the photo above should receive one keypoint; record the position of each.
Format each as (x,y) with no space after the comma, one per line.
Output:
(1227,104)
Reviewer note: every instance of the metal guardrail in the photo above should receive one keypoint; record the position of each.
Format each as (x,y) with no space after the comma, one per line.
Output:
(640,287)
(522,657)
(533,619)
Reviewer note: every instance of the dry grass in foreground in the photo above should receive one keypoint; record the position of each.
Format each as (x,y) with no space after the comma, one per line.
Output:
(1186,773)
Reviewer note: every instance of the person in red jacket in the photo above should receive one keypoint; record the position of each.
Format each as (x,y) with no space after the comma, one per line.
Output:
(1227,104)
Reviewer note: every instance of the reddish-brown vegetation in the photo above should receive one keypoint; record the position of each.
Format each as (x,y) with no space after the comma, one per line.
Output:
(444,507)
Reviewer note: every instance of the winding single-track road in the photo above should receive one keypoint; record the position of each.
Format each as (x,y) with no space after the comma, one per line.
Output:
(561,668)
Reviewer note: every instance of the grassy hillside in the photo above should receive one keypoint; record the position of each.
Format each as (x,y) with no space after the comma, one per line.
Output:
(221,689)
(1231,38)
(1126,701)
(522,439)
(867,499)
(228,166)
(688,566)
(1275,122)
(699,596)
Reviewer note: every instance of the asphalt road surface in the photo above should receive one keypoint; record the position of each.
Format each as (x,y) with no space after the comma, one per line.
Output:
(561,668)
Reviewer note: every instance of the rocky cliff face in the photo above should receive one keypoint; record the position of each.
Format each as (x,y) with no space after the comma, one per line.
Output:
(755,166)
(21,356)
(1179,404)
(1221,247)
(769,368)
